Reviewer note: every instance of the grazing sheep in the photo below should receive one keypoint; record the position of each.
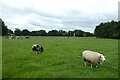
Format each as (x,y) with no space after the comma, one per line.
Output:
(36,48)
(93,57)
(27,37)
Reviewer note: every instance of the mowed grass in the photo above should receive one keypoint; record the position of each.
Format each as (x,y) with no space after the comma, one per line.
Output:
(61,58)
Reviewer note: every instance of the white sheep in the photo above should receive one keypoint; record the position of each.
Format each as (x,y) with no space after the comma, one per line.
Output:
(93,57)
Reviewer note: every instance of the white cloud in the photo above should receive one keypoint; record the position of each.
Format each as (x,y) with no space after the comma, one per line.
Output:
(57,14)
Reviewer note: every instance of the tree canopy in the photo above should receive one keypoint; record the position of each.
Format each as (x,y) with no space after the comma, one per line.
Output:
(4,28)
(78,33)
(108,30)
(17,32)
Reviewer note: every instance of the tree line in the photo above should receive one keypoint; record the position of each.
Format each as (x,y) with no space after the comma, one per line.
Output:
(3,29)
(26,32)
(103,30)
(77,33)
(108,30)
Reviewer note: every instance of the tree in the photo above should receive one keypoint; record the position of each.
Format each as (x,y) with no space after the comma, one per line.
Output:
(87,34)
(37,33)
(78,33)
(4,28)
(10,32)
(62,33)
(25,32)
(53,33)
(17,32)
(108,30)
(70,33)
(42,33)
(32,33)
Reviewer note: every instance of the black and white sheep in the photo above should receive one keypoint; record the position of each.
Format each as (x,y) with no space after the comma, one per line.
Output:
(93,57)
(36,48)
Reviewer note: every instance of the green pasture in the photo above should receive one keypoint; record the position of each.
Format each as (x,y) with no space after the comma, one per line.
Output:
(61,58)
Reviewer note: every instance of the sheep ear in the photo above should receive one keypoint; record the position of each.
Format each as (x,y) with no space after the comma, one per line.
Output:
(100,58)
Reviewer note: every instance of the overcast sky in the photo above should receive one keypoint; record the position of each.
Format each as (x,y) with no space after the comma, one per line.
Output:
(57,14)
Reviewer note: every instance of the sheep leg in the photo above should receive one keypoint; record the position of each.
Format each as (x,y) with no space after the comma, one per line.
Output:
(85,63)
(91,65)
(33,52)
(96,66)
(101,63)
(36,52)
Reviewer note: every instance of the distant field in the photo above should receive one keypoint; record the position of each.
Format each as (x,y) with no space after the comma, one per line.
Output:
(61,58)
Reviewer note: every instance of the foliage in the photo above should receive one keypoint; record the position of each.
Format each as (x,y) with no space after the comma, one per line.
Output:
(17,32)
(25,32)
(108,30)
(4,28)
(70,33)
(10,31)
(38,33)
(53,33)
(78,33)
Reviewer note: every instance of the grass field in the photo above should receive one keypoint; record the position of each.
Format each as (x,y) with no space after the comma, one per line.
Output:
(61,58)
